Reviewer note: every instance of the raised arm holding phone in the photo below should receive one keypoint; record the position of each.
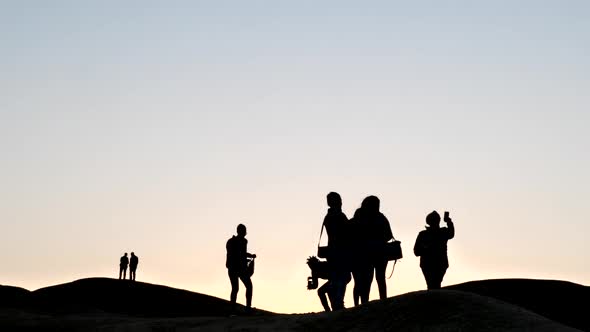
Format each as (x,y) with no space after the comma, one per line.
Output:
(431,247)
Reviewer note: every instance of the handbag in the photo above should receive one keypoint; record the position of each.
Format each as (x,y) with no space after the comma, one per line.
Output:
(323,251)
(393,250)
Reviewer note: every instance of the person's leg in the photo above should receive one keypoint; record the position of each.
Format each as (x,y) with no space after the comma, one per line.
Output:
(120,272)
(248,283)
(438,277)
(380,267)
(429,276)
(356,289)
(339,289)
(235,286)
(367,280)
(322,294)
(124,273)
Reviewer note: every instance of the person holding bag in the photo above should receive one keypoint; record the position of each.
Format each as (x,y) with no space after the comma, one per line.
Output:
(374,232)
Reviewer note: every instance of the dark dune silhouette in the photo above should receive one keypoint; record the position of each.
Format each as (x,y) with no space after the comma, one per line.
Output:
(123,297)
(561,301)
(93,304)
(439,310)
(11,296)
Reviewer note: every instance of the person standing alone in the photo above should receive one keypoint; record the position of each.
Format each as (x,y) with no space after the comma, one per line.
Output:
(431,247)
(133,262)
(237,264)
(123,263)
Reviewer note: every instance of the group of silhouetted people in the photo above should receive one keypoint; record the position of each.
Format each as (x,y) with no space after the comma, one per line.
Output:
(131,262)
(357,247)
(356,250)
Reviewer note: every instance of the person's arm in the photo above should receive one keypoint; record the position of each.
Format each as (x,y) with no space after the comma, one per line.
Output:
(450,229)
(249,255)
(418,246)
(388,234)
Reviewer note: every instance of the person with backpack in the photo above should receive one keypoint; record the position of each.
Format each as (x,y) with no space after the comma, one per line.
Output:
(431,247)
(123,263)
(133,262)
(237,264)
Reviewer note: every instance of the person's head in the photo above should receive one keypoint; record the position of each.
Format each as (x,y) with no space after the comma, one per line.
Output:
(241,230)
(334,200)
(358,213)
(433,219)
(125,255)
(132,253)
(370,204)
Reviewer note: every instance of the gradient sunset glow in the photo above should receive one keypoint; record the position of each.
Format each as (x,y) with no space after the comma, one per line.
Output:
(157,128)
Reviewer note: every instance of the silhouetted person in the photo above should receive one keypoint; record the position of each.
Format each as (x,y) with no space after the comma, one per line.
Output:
(336,224)
(320,270)
(431,246)
(237,264)
(123,262)
(133,262)
(373,231)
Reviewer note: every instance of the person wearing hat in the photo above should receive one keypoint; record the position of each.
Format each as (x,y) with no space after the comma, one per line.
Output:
(431,247)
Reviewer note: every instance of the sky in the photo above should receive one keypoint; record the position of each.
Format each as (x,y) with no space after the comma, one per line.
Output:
(158,126)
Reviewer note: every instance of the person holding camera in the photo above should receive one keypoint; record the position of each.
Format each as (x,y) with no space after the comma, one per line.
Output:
(237,264)
(431,247)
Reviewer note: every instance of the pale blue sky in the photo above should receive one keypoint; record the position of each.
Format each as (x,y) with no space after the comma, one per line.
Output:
(156,127)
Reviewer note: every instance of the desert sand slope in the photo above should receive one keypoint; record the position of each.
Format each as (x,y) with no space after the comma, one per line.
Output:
(560,301)
(124,297)
(444,310)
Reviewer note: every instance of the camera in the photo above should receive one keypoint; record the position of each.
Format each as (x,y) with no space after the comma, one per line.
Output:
(312,283)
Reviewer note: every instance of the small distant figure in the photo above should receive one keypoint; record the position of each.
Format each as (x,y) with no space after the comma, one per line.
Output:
(237,264)
(133,262)
(431,247)
(123,263)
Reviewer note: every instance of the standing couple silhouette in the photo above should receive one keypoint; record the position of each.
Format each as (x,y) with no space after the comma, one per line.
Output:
(124,261)
(355,247)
